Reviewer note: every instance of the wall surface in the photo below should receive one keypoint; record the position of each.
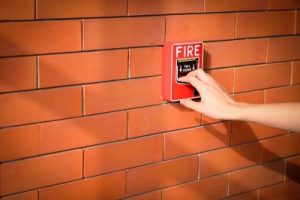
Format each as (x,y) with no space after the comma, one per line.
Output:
(81,114)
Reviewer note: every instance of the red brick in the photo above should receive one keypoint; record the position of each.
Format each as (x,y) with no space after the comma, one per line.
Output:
(196,140)
(119,95)
(211,188)
(249,131)
(280,147)
(79,132)
(255,97)
(150,7)
(148,196)
(123,32)
(283,94)
(33,195)
(80,8)
(42,105)
(246,196)
(191,27)
(288,190)
(286,4)
(234,5)
(25,38)
(145,61)
(17,9)
(151,177)
(292,168)
(122,155)
(229,159)
(283,48)
(257,24)
(266,76)
(19,142)
(219,54)
(18,74)
(111,186)
(224,77)
(42,171)
(160,118)
(76,68)
(255,177)
(296,73)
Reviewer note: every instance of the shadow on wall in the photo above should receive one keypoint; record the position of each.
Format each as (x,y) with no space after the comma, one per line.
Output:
(213,132)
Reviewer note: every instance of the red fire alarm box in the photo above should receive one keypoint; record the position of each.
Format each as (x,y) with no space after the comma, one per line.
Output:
(178,60)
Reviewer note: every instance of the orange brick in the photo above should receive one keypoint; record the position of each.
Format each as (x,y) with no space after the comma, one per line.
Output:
(229,159)
(286,4)
(33,195)
(196,140)
(122,155)
(148,196)
(145,61)
(80,8)
(17,74)
(160,118)
(123,32)
(288,190)
(76,68)
(255,177)
(248,131)
(256,24)
(211,188)
(280,147)
(119,95)
(191,27)
(42,171)
(25,38)
(42,105)
(19,142)
(152,177)
(84,131)
(298,23)
(283,94)
(220,54)
(255,97)
(283,48)
(296,73)
(266,76)
(224,77)
(208,120)
(234,5)
(246,196)
(17,9)
(292,168)
(111,186)
(149,7)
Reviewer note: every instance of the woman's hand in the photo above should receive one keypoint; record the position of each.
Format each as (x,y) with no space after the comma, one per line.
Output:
(215,100)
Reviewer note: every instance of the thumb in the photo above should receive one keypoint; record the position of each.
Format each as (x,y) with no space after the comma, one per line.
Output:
(197,106)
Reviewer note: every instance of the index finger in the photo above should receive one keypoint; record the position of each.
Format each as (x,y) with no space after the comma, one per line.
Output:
(198,84)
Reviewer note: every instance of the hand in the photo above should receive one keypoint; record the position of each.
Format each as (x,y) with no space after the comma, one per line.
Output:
(215,101)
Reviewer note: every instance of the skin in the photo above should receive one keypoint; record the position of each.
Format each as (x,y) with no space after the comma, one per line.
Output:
(217,103)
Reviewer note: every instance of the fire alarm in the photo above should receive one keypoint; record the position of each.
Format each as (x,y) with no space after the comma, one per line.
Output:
(178,60)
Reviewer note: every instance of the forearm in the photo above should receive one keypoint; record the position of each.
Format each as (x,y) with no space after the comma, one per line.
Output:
(280,115)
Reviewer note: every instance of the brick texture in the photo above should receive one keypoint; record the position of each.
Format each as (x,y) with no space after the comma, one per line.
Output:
(18,74)
(38,172)
(81,108)
(17,9)
(82,8)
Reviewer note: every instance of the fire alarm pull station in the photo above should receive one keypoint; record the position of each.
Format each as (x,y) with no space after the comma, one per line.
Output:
(178,60)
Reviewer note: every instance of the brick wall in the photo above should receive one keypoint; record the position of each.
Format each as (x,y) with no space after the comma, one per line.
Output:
(81,114)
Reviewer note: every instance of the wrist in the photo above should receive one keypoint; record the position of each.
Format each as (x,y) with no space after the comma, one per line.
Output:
(237,110)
